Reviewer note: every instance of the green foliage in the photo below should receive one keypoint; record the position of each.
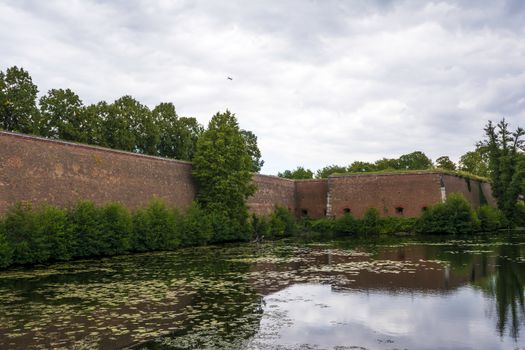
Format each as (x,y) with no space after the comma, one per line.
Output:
(329,170)
(195,227)
(62,116)
(490,218)
(346,225)
(222,169)
(361,167)
(414,161)
(6,253)
(20,232)
(325,227)
(260,226)
(87,227)
(18,110)
(253,150)
(51,227)
(506,164)
(475,162)
(395,224)
(370,224)
(282,223)
(297,174)
(455,216)
(116,228)
(155,228)
(444,162)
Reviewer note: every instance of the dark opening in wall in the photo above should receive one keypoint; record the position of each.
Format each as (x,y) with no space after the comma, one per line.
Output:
(304,212)
(424,209)
(347,210)
(324,212)
(399,210)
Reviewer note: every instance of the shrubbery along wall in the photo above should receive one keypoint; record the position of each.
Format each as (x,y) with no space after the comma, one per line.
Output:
(40,170)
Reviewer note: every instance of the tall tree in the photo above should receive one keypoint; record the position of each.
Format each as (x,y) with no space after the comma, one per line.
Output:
(222,168)
(297,174)
(253,149)
(18,111)
(415,161)
(188,132)
(62,116)
(444,162)
(506,164)
(360,167)
(475,162)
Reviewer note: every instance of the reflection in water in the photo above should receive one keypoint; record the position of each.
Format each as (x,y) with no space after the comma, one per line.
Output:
(466,294)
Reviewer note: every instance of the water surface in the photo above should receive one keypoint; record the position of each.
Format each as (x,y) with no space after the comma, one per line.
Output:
(355,294)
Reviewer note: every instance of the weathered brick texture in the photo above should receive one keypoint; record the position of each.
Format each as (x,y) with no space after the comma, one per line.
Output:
(272,191)
(310,198)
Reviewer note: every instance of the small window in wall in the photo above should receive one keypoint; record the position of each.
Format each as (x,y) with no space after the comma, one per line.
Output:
(399,210)
(347,210)
(325,212)
(424,209)
(304,212)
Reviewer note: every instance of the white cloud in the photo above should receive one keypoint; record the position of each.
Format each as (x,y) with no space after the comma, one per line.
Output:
(318,82)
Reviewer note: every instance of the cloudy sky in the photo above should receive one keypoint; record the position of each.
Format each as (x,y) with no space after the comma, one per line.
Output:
(319,82)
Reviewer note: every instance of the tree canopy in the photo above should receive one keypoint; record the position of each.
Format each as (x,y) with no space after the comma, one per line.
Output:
(297,174)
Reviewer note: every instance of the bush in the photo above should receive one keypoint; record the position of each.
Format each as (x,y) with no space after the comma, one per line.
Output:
(393,224)
(195,227)
(116,228)
(370,224)
(86,224)
(520,215)
(282,223)
(324,226)
(346,225)
(260,226)
(6,252)
(20,232)
(155,228)
(490,218)
(455,216)
(52,228)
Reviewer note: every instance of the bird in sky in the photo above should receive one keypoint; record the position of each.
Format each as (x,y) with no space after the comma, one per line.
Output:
(230,78)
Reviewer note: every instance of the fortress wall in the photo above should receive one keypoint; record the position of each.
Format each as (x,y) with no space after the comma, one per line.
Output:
(469,188)
(60,173)
(310,198)
(385,192)
(271,191)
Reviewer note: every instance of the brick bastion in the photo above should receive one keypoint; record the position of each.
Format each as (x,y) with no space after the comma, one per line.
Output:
(39,170)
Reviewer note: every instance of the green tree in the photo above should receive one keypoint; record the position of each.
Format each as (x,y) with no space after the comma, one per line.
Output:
(329,170)
(444,162)
(6,252)
(415,161)
(62,116)
(475,162)
(387,163)
(18,111)
(361,167)
(253,150)
(506,164)
(298,173)
(222,168)
(94,117)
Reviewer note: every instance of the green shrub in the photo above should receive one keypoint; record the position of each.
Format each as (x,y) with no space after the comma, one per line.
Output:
(393,224)
(86,224)
(282,223)
(20,232)
(116,229)
(195,227)
(324,226)
(346,225)
(260,226)
(490,218)
(6,253)
(155,228)
(520,215)
(455,216)
(52,228)
(370,224)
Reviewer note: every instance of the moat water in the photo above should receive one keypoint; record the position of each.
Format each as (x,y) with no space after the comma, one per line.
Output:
(414,293)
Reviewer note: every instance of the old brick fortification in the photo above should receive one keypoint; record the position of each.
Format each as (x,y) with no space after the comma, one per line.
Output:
(39,170)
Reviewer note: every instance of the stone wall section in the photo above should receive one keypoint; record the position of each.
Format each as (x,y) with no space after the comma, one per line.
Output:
(469,188)
(310,198)
(272,191)
(391,194)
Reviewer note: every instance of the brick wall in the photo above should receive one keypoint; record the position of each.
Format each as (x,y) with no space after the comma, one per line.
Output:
(412,192)
(272,191)
(469,188)
(310,198)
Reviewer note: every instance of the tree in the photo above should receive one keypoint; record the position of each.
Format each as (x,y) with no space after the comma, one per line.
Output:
(475,162)
(506,165)
(188,132)
(444,162)
(415,161)
(360,167)
(222,168)
(329,170)
(62,116)
(387,163)
(18,111)
(251,144)
(297,174)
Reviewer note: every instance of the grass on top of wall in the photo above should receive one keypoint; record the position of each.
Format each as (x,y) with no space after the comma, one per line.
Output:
(458,173)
